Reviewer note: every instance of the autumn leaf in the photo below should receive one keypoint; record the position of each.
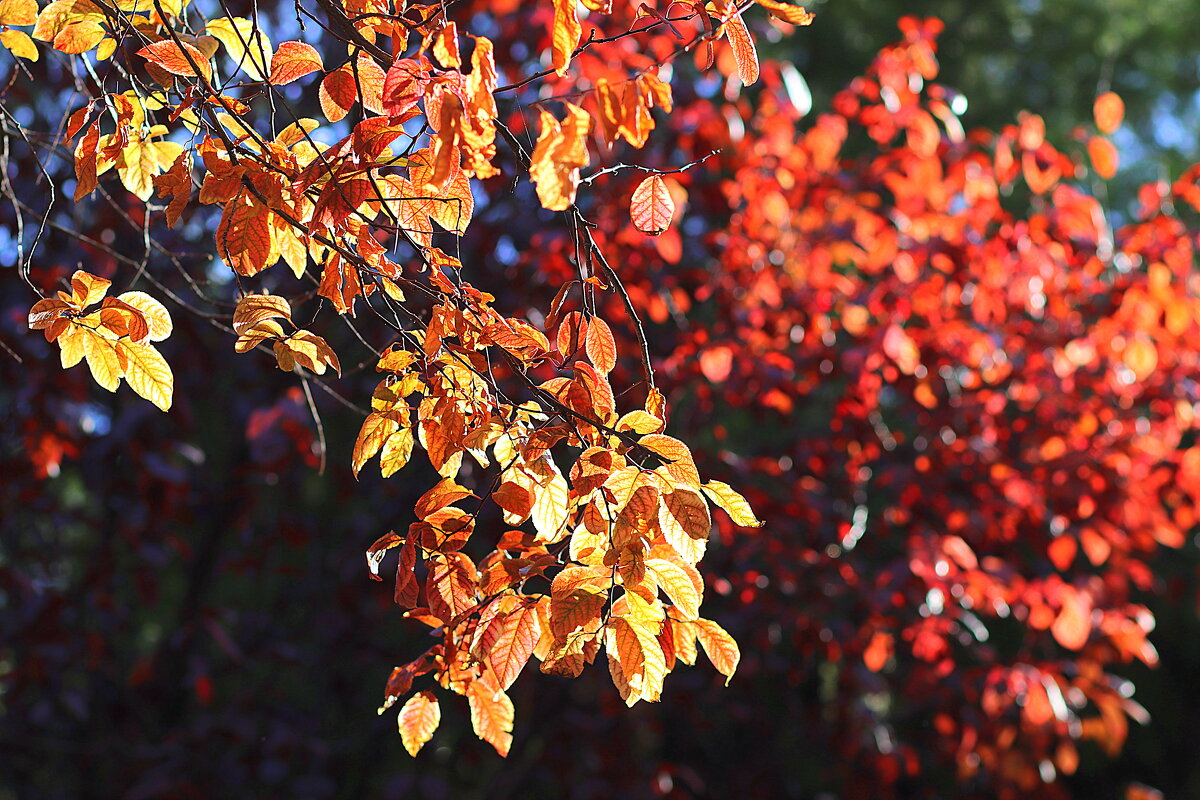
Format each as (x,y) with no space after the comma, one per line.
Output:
(18,12)
(601,346)
(177,58)
(418,719)
(651,207)
(19,44)
(560,152)
(1108,112)
(292,61)
(564,35)
(733,503)
(491,715)
(719,646)
(1104,157)
(744,52)
(245,42)
(796,15)
(147,373)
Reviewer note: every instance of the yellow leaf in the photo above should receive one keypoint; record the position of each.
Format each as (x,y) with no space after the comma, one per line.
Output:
(157,316)
(19,44)
(376,429)
(720,647)
(565,35)
(18,12)
(418,719)
(249,48)
(141,160)
(59,14)
(397,450)
(71,341)
(102,359)
(147,372)
(560,152)
(734,504)
(677,583)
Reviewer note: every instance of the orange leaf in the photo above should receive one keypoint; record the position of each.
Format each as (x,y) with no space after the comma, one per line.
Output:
(244,236)
(445,47)
(176,183)
(565,35)
(796,15)
(1109,112)
(878,650)
(601,347)
(18,12)
(651,208)
(418,719)
(560,151)
(515,643)
(1103,154)
(744,52)
(1073,625)
(293,61)
(174,58)
(491,715)
(719,646)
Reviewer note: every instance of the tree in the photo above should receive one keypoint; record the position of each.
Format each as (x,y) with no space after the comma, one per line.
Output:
(893,292)
(610,561)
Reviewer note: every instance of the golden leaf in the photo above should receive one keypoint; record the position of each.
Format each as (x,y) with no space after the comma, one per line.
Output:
(102,359)
(418,719)
(245,43)
(491,715)
(147,372)
(560,151)
(734,504)
(155,313)
(564,35)
(719,646)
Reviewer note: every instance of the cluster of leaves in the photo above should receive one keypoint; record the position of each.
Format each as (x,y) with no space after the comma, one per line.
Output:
(1001,415)
(610,562)
(961,392)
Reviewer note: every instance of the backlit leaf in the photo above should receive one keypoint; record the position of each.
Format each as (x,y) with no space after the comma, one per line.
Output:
(652,208)
(418,720)
(292,61)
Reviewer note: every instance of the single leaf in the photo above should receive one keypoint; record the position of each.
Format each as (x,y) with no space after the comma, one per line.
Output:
(102,360)
(245,43)
(19,44)
(651,207)
(719,646)
(147,372)
(744,52)
(1108,112)
(18,12)
(560,152)
(418,720)
(1104,157)
(491,715)
(564,35)
(734,504)
(796,15)
(292,61)
(177,58)
(514,643)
